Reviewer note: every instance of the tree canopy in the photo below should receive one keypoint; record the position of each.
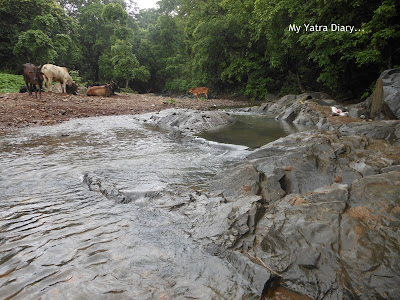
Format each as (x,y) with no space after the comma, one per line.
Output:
(245,48)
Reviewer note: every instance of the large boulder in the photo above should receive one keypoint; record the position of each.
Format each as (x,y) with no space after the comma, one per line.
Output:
(385,99)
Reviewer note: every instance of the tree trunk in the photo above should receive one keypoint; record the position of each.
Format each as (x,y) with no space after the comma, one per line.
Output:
(299,83)
(126,83)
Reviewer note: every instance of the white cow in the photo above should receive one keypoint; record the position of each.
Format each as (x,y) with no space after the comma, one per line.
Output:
(56,73)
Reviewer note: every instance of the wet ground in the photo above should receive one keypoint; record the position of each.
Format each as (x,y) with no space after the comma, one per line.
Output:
(61,240)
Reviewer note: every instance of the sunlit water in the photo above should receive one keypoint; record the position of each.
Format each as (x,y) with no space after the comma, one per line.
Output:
(59,240)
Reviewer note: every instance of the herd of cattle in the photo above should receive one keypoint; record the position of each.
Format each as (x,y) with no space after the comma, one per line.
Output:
(48,73)
(36,75)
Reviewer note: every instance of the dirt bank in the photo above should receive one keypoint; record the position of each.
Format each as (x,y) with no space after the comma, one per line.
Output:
(20,110)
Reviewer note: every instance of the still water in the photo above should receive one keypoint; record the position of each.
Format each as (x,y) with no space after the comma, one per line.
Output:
(61,240)
(251,130)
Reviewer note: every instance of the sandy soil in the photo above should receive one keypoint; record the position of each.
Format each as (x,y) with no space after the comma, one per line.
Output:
(21,110)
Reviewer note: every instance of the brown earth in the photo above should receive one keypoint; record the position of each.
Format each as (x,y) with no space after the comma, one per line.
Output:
(21,110)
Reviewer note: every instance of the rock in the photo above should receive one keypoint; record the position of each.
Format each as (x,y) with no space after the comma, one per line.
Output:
(327,102)
(391,90)
(294,211)
(369,237)
(385,98)
(356,112)
(383,130)
(188,121)
(82,90)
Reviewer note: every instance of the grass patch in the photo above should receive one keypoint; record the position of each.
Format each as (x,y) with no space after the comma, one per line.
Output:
(10,83)
(171,101)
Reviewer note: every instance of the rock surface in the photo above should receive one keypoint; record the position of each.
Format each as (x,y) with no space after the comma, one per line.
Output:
(389,83)
(187,120)
(315,211)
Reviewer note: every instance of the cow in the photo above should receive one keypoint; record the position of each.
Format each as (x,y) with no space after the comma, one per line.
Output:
(114,87)
(72,89)
(102,90)
(33,76)
(198,91)
(56,73)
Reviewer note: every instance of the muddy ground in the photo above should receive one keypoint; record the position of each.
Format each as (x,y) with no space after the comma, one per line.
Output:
(21,110)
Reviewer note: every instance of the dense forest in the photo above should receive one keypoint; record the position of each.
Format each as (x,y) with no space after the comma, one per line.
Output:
(236,47)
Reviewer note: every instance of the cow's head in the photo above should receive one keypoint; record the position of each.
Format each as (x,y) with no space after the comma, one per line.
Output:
(37,74)
(72,88)
(114,87)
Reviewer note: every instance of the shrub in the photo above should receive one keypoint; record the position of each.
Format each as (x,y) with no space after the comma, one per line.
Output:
(10,83)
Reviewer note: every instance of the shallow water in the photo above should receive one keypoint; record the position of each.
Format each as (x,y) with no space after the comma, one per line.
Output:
(251,130)
(61,240)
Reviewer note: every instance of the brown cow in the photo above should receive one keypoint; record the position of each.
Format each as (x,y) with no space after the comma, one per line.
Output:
(102,90)
(198,91)
(33,76)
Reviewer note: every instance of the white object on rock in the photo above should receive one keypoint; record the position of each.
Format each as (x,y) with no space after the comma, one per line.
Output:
(338,112)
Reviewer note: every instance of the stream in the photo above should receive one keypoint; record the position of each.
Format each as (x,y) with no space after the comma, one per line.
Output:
(61,240)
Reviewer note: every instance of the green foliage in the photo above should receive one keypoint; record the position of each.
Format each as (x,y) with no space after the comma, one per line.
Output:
(36,46)
(10,83)
(242,47)
(76,77)
(126,65)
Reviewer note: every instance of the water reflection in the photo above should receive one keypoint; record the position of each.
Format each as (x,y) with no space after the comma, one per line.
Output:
(251,130)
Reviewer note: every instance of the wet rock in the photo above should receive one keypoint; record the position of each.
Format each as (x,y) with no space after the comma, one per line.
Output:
(188,121)
(301,224)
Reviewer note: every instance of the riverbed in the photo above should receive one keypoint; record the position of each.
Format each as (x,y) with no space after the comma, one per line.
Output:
(62,239)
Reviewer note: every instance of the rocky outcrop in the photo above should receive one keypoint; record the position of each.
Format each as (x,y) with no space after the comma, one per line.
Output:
(188,121)
(385,100)
(309,109)
(316,212)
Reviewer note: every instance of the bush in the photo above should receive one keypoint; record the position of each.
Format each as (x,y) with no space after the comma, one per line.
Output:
(10,83)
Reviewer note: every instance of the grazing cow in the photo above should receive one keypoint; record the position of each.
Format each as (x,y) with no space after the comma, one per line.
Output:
(72,89)
(102,90)
(198,91)
(33,76)
(56,73)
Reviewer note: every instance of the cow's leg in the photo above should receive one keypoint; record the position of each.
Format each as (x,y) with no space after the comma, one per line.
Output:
(40,91)
(27,87)
(48,83)
(34,86)
(63,87)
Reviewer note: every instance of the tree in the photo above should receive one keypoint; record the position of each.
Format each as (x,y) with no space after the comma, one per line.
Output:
(126,66)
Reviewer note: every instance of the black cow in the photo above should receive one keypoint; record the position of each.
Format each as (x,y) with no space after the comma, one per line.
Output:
(72,89)
(33,76)
(114,87)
